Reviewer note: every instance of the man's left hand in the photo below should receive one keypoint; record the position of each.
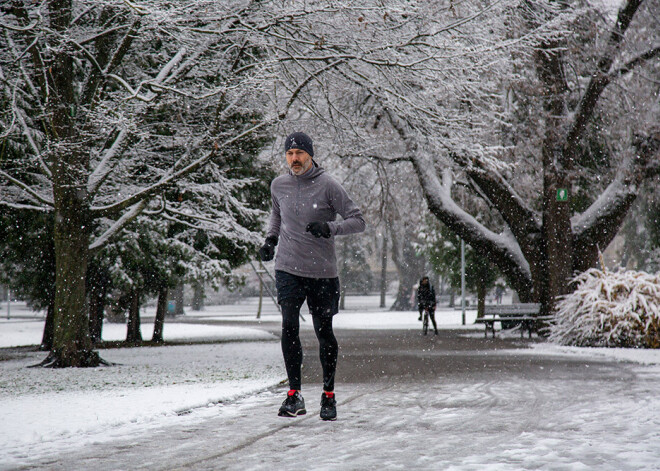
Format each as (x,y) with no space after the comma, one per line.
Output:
(319,229)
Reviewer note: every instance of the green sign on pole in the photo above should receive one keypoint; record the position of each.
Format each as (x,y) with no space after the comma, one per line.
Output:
(562,194)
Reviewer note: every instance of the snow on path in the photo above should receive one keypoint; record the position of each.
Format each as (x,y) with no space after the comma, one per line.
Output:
(46,410)
(125,417)
(561,423)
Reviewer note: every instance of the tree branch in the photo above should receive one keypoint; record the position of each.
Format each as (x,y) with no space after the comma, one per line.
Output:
(597,226)
(26,188)
(650,54)
(125,219)
(172,176)
(600,79)
(378,158)
(521,219)
(99,74)
(102,170)
(29,207)
(501,249)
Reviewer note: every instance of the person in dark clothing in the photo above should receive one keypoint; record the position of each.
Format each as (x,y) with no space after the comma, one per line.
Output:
(305,204)
(426,300)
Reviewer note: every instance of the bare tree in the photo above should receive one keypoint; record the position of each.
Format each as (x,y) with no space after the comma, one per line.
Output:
(449,82)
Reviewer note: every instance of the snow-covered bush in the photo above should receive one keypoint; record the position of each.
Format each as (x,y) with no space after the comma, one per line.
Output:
(610,309)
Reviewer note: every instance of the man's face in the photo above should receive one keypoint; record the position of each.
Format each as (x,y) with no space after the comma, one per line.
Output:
(425,281)
(298,161)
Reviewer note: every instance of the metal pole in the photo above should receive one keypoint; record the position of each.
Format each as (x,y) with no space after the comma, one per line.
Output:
(265,270)
(8,303)
(261,290)
(463,281)
(383,269)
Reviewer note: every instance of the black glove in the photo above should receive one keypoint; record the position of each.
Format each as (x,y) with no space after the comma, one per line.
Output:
(267,251)
(319,229)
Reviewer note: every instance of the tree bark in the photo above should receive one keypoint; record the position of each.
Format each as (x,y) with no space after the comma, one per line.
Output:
(161,310)
(133,331)
(178,300)
(198,297)
(49,329)
(481,299)
(97,293)
(409,268)
(72,344)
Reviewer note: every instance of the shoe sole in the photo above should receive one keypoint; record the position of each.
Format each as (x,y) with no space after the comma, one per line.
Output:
(295,414)
(329,419)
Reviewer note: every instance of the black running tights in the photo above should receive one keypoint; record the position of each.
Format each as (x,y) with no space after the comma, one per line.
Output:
(292,349)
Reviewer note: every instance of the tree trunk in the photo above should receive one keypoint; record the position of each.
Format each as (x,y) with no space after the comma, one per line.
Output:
(133,332)
(342,299)
(159,321)
(409,267)
(556,269)
(72,344)
(556,262)
(198,297)
(481,299)
(49,329)
(97,293)
(383,269)
(343,275)
(178,300)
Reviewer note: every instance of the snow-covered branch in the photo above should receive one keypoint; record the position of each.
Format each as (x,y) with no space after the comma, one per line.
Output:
(118,225)
(43,209)
(502,249)
(597,226)
(630,65)
(27,188)
(600,78)
(103,168)
(520,218)
(174,175)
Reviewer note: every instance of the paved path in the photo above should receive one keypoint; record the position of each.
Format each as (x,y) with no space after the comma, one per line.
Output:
(412,402)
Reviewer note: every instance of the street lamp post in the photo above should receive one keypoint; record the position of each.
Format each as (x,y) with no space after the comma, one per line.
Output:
(463,281)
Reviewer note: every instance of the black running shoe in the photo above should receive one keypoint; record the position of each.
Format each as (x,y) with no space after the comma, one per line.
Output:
(328,407)
(293,405)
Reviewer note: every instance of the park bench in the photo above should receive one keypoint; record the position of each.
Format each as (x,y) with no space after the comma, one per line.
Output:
(509,316)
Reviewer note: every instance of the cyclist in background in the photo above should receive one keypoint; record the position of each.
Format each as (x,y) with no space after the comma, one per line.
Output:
(426,300)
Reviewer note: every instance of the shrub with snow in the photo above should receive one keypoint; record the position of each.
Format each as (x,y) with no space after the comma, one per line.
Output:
(610,309)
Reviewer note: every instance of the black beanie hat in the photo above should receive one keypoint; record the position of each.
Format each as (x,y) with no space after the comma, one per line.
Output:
(299,140)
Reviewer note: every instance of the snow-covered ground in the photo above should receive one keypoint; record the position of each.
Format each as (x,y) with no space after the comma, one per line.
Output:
(54,412)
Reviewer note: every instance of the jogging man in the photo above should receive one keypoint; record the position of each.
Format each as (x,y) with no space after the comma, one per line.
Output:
(305,203)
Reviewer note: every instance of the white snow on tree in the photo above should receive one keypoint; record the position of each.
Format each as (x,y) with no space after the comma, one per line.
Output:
(610,309)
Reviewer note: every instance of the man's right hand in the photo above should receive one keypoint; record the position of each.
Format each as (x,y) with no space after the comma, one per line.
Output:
(267,251)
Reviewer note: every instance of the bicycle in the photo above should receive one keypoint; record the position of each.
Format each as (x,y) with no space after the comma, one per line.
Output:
(425,321)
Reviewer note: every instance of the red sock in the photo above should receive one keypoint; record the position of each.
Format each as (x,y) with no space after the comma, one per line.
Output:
(292,392)
(329,394)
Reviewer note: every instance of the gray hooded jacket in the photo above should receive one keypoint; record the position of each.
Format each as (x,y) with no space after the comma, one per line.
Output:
(299,200)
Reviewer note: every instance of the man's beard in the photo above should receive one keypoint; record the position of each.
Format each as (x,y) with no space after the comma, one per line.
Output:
(300,168)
